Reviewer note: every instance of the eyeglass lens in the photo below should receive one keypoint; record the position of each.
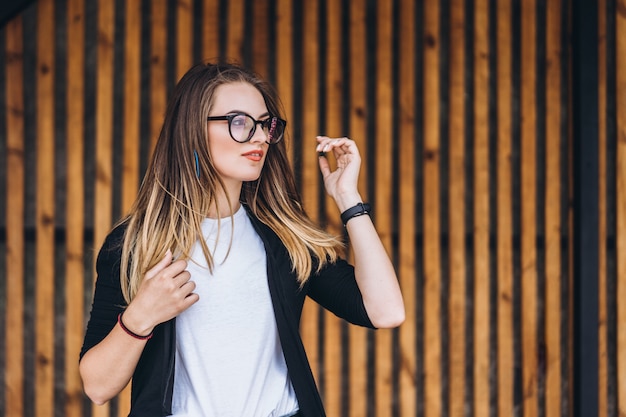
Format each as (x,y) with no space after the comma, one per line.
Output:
(242,128)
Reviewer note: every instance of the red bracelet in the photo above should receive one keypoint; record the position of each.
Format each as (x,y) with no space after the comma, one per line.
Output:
(130,332)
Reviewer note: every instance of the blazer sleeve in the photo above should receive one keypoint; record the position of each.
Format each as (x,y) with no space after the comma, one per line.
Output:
(335,289)
(108,300)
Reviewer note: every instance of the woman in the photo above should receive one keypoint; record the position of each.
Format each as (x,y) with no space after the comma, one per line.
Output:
(200,288)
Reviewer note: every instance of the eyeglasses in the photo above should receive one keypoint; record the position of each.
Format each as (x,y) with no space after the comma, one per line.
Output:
(242,126)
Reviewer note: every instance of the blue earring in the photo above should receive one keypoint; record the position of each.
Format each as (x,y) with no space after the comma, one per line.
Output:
(195,154)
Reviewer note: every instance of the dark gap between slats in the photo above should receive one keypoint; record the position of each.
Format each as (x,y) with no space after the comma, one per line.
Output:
(540,202)
(419,206)
(516,206)
(395,137)
(30,63)
(60,176)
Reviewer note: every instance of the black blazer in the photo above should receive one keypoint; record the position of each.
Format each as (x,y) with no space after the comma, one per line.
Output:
(334,287)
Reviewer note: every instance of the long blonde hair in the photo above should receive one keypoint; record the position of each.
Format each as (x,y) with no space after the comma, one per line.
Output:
(173,200)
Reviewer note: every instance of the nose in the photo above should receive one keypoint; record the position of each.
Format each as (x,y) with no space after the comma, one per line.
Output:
(259,135)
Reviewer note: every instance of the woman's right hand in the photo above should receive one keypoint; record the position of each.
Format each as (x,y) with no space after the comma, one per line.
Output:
(165,292)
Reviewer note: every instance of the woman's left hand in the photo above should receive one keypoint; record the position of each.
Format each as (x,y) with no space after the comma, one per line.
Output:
(374,272)
(340,183)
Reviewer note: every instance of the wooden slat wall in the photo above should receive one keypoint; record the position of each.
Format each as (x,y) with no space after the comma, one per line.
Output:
(75,218)
(612,201)
(14,200)
(462,112)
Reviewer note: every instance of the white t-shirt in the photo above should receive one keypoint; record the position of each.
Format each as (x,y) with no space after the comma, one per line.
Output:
(229,361)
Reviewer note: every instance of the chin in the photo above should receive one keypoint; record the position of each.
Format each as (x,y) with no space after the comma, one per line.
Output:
(252,177)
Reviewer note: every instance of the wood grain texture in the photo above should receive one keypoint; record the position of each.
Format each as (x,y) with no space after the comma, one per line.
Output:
(310,327)
(75,212)
(552,212)
(103,217)
(528,202)
(184,37)
(383,188)
(45,212)
(620,98)
(358,358)
(333,107)
(15,170)
(407,228)
(480,194)
(432,211)
(504,249)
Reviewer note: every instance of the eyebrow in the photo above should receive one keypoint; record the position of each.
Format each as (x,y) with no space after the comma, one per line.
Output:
(245,112)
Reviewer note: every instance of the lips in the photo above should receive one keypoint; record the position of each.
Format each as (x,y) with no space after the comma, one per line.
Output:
(255,155)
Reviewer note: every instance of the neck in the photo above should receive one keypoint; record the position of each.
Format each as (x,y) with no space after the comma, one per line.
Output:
(227,203)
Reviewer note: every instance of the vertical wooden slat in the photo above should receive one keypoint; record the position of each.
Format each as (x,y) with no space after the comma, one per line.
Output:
(333,109)
(45,220)
(235,30)
(553,274)
(261,46)
(384,184)
(210,30)
(505,211)
(620,72)
(431,220)
(407,264)
(358,132)
(14,359)
(310,98)
(132,104)
(74,267)
(528,199)
(131,130)
(310,171)
(456,210)
(481,208)
(570,246)
(104,134)
(184,36)
(158,57)
(284,66)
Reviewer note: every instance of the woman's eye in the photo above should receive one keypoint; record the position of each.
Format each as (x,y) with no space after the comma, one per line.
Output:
(239,121)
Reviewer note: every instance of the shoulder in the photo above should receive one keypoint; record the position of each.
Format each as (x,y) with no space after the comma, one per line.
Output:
(111,250)
(115,239)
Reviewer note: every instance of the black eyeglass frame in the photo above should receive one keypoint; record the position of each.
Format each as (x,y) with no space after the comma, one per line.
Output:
(264,123)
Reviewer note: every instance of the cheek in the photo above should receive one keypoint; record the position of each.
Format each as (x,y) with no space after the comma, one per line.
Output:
(220,146)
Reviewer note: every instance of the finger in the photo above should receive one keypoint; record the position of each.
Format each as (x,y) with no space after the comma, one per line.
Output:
(324,166)
(181,279)
(325,143)
(176,268)
(190,300)
(161,265)
(322,141)
(187,288)
(339,146)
